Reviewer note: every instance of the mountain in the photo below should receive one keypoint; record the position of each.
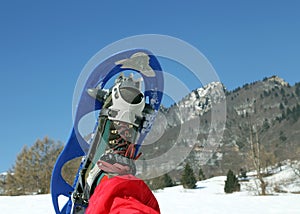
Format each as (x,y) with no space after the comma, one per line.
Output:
(219,125)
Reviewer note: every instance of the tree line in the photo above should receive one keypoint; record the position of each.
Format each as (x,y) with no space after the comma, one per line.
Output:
(31,173)
(32,170)
(188,179)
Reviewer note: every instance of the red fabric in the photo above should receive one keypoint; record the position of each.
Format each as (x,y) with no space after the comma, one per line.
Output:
(123,195)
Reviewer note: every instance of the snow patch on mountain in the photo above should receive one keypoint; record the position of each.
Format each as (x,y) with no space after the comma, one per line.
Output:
(201,100)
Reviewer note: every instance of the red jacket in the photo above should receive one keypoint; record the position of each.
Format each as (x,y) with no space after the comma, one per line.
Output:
(122,195)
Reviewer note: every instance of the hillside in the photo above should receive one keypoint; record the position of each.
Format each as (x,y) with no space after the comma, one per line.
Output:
(267,111)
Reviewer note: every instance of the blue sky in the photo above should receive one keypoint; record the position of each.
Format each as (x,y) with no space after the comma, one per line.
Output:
(45,44)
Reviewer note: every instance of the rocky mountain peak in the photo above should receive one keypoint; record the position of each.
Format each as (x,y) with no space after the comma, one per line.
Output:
(202,98)
(277,80)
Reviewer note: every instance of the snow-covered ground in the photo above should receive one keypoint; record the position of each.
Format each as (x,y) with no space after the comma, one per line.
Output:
(209,197)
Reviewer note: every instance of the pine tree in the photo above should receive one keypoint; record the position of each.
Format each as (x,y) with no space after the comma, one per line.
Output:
(282,137)
(265,125)
(243,173)
(281,106)
(168,181)
(201,175)
(231,183)
(297,90)
(188,179)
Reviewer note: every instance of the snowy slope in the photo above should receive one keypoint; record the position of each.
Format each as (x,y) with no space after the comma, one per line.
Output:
(209,197)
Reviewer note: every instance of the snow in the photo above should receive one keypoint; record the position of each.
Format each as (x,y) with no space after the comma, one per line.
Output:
(283,179)
(208,198)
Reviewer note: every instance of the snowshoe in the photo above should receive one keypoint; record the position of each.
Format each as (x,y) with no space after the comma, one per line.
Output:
(125,118)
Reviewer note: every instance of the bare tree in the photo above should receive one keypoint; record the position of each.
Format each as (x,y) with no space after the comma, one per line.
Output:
(256,157)
(295,165)
(33,167)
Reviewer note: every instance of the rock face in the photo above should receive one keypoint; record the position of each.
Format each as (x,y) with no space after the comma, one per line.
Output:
(269,109)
